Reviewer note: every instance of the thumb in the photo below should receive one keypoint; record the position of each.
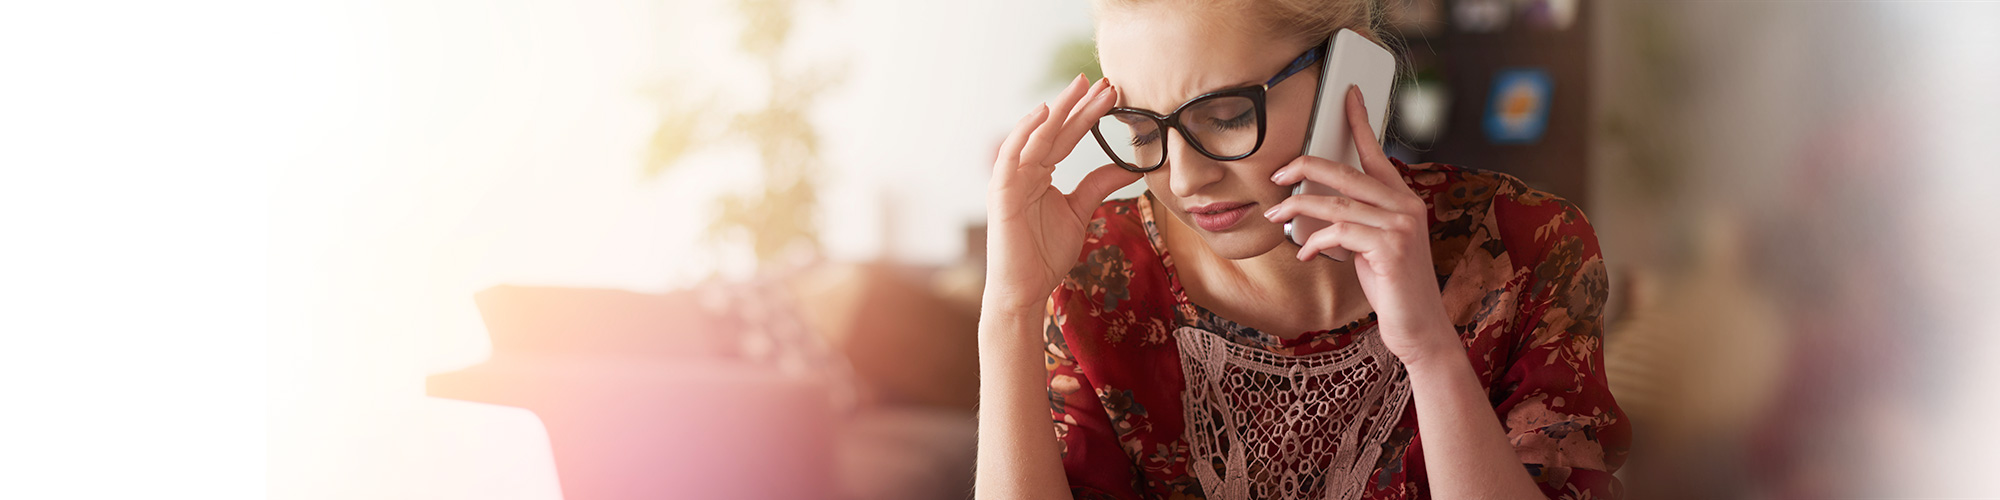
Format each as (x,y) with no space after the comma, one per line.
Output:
(1097,185)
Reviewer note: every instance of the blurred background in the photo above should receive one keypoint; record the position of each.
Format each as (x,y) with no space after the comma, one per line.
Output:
(533,249)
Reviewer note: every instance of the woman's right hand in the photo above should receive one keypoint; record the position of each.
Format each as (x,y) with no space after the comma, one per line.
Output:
(1034,233)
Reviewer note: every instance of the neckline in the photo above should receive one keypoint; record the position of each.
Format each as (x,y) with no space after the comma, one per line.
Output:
(1191,314)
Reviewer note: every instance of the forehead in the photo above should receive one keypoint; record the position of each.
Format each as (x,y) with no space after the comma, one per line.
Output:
(1160,58)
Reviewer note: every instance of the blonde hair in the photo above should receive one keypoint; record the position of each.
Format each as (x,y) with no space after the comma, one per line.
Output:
(1304,22)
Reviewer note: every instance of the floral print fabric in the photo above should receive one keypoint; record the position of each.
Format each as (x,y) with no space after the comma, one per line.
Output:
(1522,280)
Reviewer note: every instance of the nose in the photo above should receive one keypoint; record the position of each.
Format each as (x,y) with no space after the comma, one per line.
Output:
(1189,170)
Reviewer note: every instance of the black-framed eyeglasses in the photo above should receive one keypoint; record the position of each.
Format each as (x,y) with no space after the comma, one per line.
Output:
(1225,125)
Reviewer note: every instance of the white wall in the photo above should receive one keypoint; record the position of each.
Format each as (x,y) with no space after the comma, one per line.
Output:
(478,143)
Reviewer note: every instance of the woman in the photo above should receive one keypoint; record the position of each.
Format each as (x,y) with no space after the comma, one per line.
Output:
(1186,349)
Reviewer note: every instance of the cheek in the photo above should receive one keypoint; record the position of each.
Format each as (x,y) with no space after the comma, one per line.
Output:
(1277,152)
(1287,135)
(1284,141)
(1156,181)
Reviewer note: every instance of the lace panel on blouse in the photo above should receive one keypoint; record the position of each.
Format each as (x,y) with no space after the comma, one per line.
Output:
(1264,425)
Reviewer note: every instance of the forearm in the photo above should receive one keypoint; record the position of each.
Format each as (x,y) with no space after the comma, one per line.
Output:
(1466,452)
(1018,455)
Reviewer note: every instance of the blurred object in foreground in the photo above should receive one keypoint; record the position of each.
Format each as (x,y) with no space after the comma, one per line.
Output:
(692,395)
(630,430)
(908,343)
(725,391)
(1758,185)
(1697,368)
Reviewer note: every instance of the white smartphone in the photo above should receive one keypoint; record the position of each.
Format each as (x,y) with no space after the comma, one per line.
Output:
(1350,60)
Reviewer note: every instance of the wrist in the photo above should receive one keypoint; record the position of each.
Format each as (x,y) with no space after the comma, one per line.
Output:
(1425,344)
(1435,357)
(1013,301)
(1007,312)
(991,311)
(1011,334)
(1423,338)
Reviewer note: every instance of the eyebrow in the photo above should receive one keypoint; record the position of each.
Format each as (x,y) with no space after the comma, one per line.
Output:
(1245,83)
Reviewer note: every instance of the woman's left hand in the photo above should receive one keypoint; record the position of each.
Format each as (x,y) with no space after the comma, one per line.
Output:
(1383,222)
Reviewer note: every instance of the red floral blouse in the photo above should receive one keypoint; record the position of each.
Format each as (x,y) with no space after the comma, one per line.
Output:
(1325,415)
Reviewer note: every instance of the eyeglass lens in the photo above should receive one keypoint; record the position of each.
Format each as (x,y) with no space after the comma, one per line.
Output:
(1224,126)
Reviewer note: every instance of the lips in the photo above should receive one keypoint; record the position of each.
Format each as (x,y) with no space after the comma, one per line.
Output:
(1218,217)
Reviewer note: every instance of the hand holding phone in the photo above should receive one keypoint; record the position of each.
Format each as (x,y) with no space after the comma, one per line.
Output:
(1379,220)
(1352,60)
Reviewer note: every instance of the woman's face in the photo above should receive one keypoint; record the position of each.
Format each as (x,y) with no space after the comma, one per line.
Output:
(1161,57)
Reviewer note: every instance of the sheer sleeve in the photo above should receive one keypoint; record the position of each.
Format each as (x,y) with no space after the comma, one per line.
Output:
(1092,459)
(1553,399)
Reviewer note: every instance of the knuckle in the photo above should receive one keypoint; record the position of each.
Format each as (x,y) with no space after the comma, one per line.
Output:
(1321,237)
(1320,241)
(1410,205)
(1402,223)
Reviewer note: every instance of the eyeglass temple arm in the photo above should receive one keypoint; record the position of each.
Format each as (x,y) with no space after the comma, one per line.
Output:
(1299,64)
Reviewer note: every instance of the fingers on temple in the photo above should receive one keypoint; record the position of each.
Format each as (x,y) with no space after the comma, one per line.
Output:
(1039,142)
(1009,156)
(1101,98)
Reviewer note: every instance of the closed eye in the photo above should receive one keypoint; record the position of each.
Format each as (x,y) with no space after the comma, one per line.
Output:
(1144,139)
(1236,122)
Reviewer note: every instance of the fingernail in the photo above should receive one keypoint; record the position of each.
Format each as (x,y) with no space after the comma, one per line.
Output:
(1104,95)
(1272,212)
(1282,176)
